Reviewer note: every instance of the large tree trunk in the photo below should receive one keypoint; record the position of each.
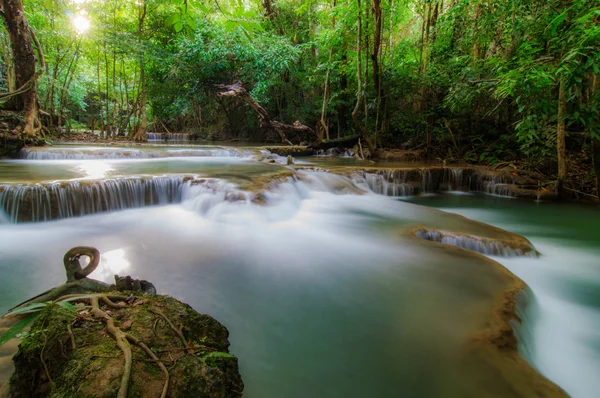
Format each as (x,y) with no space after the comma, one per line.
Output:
(21,39)
(140,132)
(560,138)
(237,90)
(359,97)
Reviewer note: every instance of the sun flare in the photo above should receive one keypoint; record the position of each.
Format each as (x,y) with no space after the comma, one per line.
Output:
(81,24)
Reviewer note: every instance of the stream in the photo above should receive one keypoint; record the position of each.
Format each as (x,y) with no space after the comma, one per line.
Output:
(314,273)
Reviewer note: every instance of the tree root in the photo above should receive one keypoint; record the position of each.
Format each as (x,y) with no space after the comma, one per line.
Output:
(71,337)
(44,362)
(149,352)
(123,339)
(122,343)
(175,330)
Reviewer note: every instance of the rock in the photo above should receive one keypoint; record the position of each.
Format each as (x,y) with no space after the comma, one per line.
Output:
(127,283)
(95,367)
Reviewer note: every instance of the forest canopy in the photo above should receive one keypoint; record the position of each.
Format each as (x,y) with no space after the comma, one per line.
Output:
(485,81)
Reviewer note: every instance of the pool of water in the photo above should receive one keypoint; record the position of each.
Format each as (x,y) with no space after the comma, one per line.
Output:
(563,335)
(324,292)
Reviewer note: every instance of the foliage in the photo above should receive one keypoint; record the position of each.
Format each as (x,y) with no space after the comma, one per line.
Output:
(469,78)
(33,312)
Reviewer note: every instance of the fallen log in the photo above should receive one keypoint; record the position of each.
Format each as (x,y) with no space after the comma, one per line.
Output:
(237,90)
(346,142)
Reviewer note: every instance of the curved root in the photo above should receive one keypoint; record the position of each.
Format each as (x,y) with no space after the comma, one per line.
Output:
(123,340)
(122,343)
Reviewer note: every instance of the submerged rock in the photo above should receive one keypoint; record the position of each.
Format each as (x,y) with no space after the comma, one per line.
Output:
(85,361)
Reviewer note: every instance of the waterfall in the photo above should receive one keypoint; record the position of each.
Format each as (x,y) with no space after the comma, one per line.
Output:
(76,198)
(494,184)
(64,199)
(203,195)
(392,183)
(168,137)
(407,182)
(477,244)
(85,153)
(51,153)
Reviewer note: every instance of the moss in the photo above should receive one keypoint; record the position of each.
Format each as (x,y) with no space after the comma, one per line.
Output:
(95,367)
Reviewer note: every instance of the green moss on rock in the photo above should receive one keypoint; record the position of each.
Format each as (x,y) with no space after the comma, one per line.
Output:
(94,368)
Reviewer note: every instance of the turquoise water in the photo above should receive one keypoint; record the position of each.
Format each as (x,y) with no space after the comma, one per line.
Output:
(563,335)
(323,291)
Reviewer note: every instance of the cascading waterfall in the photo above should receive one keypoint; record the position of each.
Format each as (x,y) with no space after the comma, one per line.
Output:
(410,182)
(493,184)
(392,183)
(168,137)
(64,153)
(56,200)
(66,199)
(474,243)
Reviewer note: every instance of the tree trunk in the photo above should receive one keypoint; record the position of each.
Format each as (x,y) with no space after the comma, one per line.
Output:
(425,48)
(359,97)
(140,132)
(475,33)
(560,138)
(21,39)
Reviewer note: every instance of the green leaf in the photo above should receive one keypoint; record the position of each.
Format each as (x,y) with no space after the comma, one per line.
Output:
(28,309)
(178,26)
(16,328)
(67,306)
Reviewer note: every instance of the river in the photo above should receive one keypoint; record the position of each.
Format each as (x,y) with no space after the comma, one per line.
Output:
(315,274)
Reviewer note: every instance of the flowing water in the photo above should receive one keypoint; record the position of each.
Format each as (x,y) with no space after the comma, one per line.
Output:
(323,290)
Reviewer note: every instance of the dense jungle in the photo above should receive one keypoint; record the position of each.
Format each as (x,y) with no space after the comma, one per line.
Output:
(291,199)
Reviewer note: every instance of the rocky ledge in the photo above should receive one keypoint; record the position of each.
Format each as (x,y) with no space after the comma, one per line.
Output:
(91,339)
(74,354)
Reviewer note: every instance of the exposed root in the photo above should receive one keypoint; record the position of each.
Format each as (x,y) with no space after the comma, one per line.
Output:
(71,337)
(111,304)
(44,362)
(122,343)
(123,339)
(175,330)
(149,352)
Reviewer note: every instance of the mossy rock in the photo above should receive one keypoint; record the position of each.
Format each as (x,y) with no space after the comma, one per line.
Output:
(95,367)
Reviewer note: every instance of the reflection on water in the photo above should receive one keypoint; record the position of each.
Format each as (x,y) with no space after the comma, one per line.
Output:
(319,299)
(94,169)
(113,262)
(323,294)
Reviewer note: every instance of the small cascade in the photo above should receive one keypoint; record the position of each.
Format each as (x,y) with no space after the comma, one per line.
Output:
(427,181)
(76,198)
(89,153)
(455,179)
(155,136)
(392,183)
(169,137)
(203,195)
(64,199)
(407,182)
(494,184)
(477,244)
(82,153)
